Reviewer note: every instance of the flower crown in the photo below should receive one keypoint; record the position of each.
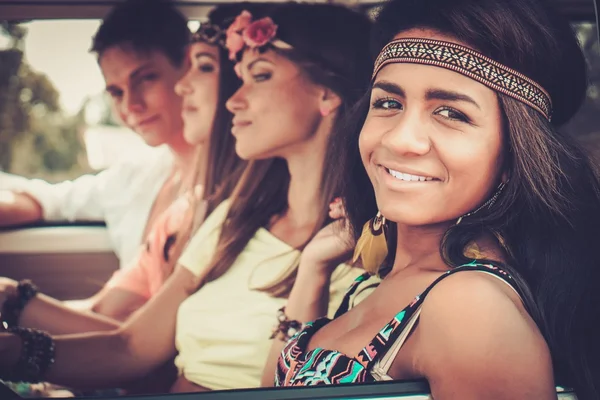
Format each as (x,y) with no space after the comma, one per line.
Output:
(244,32)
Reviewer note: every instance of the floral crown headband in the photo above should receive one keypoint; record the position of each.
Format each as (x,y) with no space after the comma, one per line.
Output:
(470,63)
(244,32)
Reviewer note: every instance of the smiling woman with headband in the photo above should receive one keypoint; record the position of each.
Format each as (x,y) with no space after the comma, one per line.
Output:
(479,215)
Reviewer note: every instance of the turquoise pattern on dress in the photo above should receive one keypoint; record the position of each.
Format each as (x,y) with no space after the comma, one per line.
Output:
(299,367)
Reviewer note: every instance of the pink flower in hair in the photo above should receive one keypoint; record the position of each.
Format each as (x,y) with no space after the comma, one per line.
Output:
(259,32)
(241,22)
(234,41)
(235,44)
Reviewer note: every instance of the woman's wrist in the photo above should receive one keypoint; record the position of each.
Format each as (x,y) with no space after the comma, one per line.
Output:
(309,286)
(285,328)
(15,302)
(308,300)
(317,267)
(27,355)
(10,351)
(309,297)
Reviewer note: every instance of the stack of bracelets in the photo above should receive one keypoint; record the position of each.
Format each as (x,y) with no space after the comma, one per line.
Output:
(285,328)
(37,352)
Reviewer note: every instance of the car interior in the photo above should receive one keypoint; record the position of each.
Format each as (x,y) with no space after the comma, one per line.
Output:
(71,261)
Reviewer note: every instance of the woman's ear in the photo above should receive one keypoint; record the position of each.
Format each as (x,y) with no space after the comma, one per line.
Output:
(330,101)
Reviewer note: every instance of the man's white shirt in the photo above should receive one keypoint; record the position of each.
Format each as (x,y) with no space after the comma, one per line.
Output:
(121,196)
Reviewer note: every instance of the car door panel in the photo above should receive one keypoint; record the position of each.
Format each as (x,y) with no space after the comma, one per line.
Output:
(65,262)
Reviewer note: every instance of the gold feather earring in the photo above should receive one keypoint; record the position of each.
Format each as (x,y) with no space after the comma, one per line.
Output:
(371,247)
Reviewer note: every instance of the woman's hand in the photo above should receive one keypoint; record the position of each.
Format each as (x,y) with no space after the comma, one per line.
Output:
(309,298)
(332,245)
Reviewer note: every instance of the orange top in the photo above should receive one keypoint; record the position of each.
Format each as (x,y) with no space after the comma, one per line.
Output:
(148,272)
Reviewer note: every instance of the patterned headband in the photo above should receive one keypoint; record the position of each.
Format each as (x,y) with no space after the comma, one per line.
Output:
(470,63)
(209,33)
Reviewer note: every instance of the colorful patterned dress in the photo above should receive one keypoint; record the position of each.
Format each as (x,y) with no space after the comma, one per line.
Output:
(299,367)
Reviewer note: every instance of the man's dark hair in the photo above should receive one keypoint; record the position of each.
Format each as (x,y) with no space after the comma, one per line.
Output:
(145,25)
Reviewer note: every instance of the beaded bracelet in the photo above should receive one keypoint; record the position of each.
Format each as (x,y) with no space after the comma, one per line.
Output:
(285,328)
(14,305)
(37,354)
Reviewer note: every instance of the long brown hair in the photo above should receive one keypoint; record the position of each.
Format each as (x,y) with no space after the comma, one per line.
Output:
(329,43)
(223,168)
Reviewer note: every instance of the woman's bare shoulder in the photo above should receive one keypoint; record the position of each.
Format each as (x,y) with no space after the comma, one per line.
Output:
(474,336)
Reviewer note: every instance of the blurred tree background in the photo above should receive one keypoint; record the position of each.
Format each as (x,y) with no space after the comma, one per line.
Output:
(37,138)
(585,126)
